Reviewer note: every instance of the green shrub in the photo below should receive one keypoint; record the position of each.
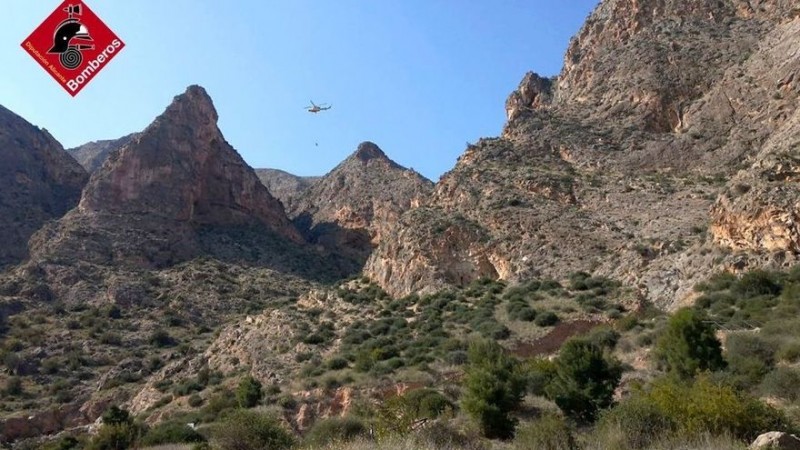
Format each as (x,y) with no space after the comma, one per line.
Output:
(219,403)
(170,433)
(756,283)
(717,282)
(336,363)
(549,432)
(427,403)
(248,393)
(494,389)
(116,437)
(547,319)
(604,336)
(249,430)
(334,430)
(195,401)
(161,338)
(116,416)
(636,422)
(749,357)
(705,406)
(584,380)
(689,345)
(783,382)
(14,387)
(539,372)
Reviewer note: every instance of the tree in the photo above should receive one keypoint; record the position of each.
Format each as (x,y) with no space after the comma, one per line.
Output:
(689,345)
(584,381)
(494,388)
(116,416)
(249,392)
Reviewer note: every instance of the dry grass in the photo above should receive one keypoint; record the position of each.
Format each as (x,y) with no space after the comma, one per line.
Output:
(170,447)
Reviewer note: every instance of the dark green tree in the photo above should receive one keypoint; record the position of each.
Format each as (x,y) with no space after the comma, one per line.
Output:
(495,386)
(689,345)
(249,392)
(116,416)
(585,380)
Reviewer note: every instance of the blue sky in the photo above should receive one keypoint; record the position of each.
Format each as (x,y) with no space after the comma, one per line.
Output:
(418,77)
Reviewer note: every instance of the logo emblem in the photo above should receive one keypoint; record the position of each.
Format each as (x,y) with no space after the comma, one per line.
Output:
(73,45)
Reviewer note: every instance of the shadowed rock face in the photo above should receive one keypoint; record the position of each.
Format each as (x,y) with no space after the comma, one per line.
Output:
(167,195)
(284,186)
(349,210)
(38,182)
(668,138)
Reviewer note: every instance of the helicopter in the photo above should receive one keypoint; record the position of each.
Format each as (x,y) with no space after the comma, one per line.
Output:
(314,108)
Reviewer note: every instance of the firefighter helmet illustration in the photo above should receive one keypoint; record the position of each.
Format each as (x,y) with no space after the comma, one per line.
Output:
(71,37)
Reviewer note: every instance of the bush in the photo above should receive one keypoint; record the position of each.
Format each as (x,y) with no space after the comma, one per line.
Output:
(782,382)
(195,401)
(248,393)
(749,356)
(689,345)
(427,403)
(337,363)
(249,430)
(160,338)
(756,283)
(584,381)
(116,416)
(546,319)
(171,433)
(494,388)
(334,430)
(635,422)
(705,406)
(549,432)
(14,387)
(115,437)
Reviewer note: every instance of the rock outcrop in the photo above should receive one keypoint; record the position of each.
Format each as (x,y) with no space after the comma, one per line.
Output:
(776,440)
(38,182)
(92,155)
(350,209)
(613,166)
(174,192)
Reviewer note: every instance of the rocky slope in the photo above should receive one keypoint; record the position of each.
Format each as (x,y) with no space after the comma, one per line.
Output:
(93,154)
(285,186)
(614,165)
(349,209)
(38,182)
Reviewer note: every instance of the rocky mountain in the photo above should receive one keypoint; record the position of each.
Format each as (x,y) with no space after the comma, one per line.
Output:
(285,186)
(613,166)
(349,209)
(175,192)
(38,182)
(93,154)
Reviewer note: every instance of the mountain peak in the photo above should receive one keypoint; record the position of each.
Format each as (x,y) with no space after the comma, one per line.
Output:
(194,105)
(369,150)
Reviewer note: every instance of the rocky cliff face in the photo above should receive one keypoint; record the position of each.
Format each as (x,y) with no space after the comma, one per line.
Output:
(614,166)
(38,182)
(350,209)
(93,154)
(170,194)
(284,186)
